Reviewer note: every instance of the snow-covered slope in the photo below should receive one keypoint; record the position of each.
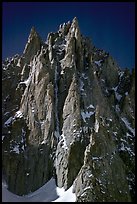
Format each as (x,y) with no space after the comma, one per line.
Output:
(47,193)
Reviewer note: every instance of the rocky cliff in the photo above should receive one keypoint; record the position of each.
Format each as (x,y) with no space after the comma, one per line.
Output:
(68,112)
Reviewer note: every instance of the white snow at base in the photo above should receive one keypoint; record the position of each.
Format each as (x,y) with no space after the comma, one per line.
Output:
(60,191)
(86,114)
(66,196)
(128,125)
(47,193)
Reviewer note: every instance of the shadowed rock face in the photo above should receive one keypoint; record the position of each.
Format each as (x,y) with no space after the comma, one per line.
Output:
(68,112)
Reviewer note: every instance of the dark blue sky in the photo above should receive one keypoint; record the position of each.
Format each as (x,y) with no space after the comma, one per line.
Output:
(110,25)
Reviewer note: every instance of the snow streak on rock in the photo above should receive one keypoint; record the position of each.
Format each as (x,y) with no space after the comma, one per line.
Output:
(57,134)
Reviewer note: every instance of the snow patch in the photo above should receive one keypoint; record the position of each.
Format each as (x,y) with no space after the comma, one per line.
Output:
(32,109)
(83,75)
(57,135)
(62,72)
(121,73)
(8,122)
(16,149)
(91,175)
(18,64)
(19,114)
(103,192)
(3,136)
(88,187)
(128,135)
(26,82)
(73,29)
(128,149)
(64,142)
(43,142)
(103,80)
(98,62)
(117,95)
(115,133)
(86,115)
(90,106)
(127,124)
(5,114)
(23,140)
(96,158)
(96,126)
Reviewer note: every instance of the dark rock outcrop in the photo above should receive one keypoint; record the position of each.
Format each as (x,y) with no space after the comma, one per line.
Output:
(68,111)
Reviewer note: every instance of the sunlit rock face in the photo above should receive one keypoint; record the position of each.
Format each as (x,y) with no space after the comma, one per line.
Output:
(68,112)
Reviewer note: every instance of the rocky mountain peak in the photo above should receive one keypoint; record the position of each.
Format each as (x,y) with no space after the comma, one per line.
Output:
(68,112)
(33,32)
(33,36)
(33,45)
(75,22)
(64,28)
(74,29)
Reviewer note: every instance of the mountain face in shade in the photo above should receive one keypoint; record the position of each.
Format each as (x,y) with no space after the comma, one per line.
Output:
(68,112)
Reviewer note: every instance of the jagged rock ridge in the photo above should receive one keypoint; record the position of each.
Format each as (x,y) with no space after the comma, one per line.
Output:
(68,112)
